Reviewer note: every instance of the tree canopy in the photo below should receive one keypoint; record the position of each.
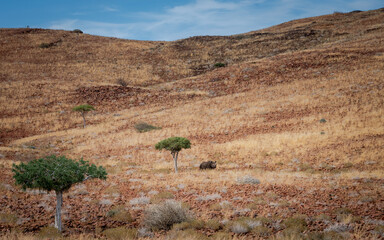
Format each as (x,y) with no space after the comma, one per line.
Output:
(83,108)
(173,144)
(55,173)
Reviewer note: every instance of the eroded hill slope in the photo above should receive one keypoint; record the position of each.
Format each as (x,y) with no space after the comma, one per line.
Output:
(298,106)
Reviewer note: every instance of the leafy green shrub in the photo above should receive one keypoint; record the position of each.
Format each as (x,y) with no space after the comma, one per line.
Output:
(323,120)
(120,233)
(165,215)
(219,65)
(145,127)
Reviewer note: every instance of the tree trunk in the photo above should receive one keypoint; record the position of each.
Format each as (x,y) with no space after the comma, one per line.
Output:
(59,203)
(83,115)
(175,155)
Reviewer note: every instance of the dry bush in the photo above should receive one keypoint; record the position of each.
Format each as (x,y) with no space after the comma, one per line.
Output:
(243,225)
(294,225)
(121,82)
(190,224)
(49,233)
(262,231)
(185,234)
(77,31)
(120,233)
(248,180)
(145,127)
(213,224)
(222,236)
(238,227)
(160,197)
(165,215)
(139,201)
(8,218)
(15,235)
(119,213)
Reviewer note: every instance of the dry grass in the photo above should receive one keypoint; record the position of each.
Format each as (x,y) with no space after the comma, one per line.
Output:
(259,117)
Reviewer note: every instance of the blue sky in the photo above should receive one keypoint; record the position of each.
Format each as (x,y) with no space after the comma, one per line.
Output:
(166,19)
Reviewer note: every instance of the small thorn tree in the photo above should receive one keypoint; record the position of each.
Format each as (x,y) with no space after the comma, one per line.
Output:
(174,144)
(56,173)
(83,109)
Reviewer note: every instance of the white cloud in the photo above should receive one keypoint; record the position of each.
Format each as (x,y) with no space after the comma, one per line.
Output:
(69,24)
(213,17)
(98,28)
(110,9)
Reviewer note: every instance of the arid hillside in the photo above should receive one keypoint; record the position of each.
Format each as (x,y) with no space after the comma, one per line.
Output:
(293,115)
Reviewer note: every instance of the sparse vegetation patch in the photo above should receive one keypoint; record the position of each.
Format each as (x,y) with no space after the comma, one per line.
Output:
(145,127)
(165,215)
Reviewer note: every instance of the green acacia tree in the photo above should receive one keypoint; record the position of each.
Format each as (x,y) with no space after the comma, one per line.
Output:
(56,173)
(174,145)
(83,109)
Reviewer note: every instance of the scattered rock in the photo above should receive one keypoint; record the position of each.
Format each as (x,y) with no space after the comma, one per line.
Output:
(239,228)
(295,160)
(241,212)
(209,197)
(370,162)
(106,202)
(144,233)
(248,180)
(139,201)
(338,227)
(153,192)
(130,172)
